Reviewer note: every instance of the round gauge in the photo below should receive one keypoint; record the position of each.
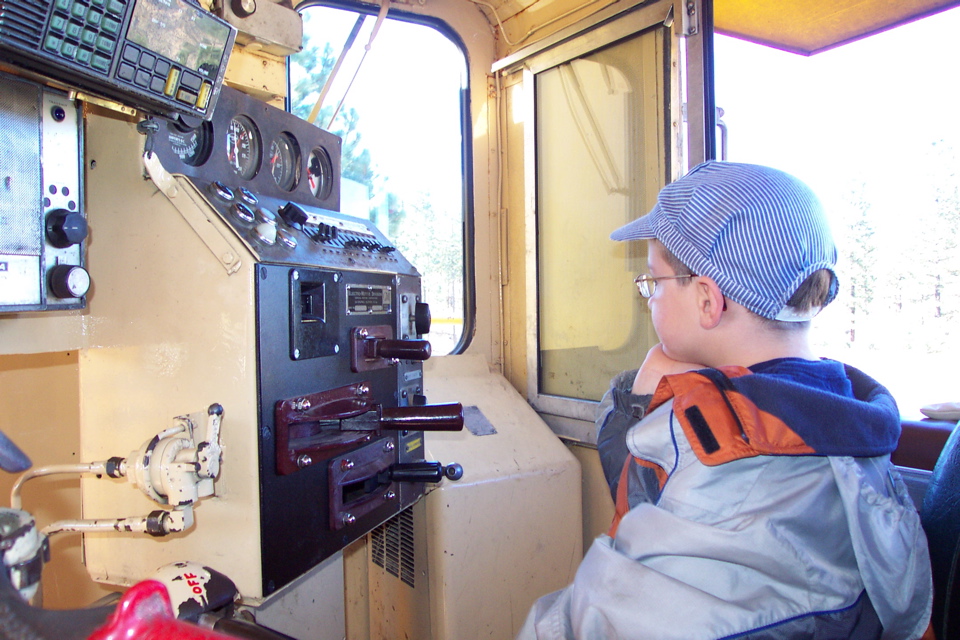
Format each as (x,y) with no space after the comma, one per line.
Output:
(243,147)
(320,173)
(192,146)
(285,161)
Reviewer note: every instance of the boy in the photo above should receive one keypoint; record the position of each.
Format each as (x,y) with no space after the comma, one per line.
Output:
(755,496)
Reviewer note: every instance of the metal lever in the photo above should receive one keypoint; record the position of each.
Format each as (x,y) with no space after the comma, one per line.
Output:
(399,349)
(432,417)
(421,472)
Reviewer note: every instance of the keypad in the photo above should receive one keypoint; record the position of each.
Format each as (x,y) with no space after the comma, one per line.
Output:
(80,31)
(88,32)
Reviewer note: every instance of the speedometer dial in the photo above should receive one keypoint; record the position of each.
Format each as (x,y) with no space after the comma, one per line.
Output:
(243,147)
(285,161)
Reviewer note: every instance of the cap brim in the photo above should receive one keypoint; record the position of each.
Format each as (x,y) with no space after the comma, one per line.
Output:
(639,229)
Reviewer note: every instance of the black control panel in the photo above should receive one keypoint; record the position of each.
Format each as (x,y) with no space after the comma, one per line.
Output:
(340,325)
(276,180)
(167,57)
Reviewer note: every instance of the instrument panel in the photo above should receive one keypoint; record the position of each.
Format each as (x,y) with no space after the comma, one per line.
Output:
(263,149)
(276,180)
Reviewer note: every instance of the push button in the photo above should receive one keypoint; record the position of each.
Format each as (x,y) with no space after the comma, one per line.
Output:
(58,23)
(204,98)
(68,49)
(126,71)
(143,78)
(94,17)
(79,11)
(187,97)
(84,56)
(73,30)
(105,44)
(190,81)
(157,84)
(162,68)
(147,61)
(131,54)
(100,62)
(52,43)
(172,79)
(88,37)
(115,7)
(110,25)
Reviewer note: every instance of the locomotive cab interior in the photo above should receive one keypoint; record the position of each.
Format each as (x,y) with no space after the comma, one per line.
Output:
(370,438)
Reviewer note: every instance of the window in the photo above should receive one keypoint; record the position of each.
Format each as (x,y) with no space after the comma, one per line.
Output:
(600,164)
(603,125)
(399,106)
(872,127)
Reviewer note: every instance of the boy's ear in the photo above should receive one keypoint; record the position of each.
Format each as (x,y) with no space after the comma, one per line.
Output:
(710,300)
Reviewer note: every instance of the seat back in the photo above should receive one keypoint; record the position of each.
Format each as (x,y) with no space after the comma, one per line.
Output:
(941,522)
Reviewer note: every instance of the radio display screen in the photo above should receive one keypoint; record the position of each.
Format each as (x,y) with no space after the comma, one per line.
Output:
(181,32)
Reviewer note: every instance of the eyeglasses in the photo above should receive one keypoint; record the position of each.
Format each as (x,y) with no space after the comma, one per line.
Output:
(647,284)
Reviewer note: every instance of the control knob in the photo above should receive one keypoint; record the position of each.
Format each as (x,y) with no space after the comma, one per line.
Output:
(293,214)
(422,318)
(69,281)
(66,228)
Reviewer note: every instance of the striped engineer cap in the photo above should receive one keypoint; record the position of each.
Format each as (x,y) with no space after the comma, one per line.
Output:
(758,232)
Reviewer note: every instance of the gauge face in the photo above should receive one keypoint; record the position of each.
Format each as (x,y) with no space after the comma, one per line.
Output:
(285,161)
(320,173)
(193,146)
(243,147)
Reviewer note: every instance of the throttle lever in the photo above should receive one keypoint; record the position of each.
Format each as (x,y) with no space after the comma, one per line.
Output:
(421,472)
(430,417)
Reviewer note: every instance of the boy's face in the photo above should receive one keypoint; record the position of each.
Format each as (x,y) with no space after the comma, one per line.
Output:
(673,308)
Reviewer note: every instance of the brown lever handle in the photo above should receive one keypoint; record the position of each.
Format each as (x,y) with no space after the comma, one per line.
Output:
(403,349)
(431,417)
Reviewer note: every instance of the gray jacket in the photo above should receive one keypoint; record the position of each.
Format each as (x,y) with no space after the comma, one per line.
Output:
(769,545)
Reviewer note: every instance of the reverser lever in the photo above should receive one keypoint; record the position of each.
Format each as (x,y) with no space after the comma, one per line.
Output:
(421,472)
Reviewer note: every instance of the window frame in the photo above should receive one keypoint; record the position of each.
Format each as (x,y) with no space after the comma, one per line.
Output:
(570,418)
(466,149)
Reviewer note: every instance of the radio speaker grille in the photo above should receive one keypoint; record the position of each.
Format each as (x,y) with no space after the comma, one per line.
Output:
(20,180)
(23,21)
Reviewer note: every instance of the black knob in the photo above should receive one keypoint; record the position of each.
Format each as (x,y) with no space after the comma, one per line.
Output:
(422,318)
(66,228)
(69,281)
(292,214)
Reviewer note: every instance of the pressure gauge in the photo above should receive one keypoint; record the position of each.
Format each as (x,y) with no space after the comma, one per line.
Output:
(320,173)
(285,161)
(192,146)
(243,147)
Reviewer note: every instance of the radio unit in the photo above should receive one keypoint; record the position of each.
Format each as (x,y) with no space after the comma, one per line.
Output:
(167,57)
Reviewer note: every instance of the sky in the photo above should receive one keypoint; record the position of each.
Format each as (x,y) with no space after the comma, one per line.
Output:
(403,138)
(879,116)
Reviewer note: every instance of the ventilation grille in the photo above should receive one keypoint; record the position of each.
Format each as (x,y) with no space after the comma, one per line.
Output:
(391,547)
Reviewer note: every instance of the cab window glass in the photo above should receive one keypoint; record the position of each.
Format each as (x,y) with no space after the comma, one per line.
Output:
(397,104)
(872,127)
(601,160)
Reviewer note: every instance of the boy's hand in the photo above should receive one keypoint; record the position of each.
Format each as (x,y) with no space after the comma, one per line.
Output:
(656,365)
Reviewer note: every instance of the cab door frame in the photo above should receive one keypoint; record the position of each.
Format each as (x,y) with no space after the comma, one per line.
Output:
(689,140)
